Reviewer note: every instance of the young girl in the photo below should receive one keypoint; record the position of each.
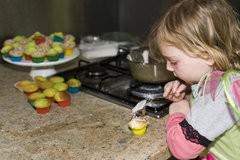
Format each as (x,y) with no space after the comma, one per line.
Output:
(200,40)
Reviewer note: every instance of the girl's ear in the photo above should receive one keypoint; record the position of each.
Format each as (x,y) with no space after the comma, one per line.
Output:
(210,61)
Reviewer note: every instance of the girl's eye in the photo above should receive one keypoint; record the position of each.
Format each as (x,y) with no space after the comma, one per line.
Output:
(173,62)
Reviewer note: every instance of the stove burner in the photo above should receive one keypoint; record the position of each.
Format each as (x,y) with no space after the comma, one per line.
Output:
(96,72)
(147,91)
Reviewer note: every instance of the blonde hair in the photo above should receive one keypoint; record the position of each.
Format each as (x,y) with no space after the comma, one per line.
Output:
(207,28)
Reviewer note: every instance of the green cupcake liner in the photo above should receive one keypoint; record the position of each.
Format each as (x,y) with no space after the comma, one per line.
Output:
(53,58)
(38,59)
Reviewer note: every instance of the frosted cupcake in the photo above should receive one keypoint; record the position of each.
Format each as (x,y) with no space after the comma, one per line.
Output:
(21,84)
(73,85)
(5,50)
(59,49)
(56,79)
(52,55)
(138,125)
(29,51)
(16,54)
(19,38)
(38,57)
(57,37)
(42,105)
(50,93)
(63,99)
(61,86)
(69,44)
(35,96)
(30,88)
(45,84)
(39,79)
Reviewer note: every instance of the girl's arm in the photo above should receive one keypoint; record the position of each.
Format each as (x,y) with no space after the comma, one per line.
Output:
(179,146)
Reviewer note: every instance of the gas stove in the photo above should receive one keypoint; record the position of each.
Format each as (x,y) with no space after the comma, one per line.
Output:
(110,79)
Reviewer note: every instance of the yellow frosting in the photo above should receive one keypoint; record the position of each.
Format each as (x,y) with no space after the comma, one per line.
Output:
(73,82)
(36,95)
(61,86)
(56,79)
(41,103)
(50,92)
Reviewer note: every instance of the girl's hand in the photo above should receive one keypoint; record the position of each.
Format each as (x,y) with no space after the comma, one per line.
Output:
(180,107)
(174,91)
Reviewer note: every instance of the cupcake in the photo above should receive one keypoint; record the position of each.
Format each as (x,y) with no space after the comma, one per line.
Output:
(8,42)
(52,55)
(5,50)
(40,79)
(38,57)
(57,37)
(45,84)
(30,88)
(16,54)
(61,86)
(30,48)
(21,84)
(138,125)
(59,49)
(18,38)
(50,93)
(42,105)
(69,44)
(63,99)
(73,85)
(56,79)
(35,96)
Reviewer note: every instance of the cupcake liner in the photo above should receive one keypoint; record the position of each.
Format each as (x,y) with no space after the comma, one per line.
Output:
(64,103)
(73,90)
(52,58)
(57,39)
(5,54)
(68,52)
(61,55)
(139,132)
(50,99)
(16,59)
(38,59)
(28,58)
(42,110)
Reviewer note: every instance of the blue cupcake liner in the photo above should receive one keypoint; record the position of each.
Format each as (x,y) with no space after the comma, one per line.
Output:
(73,90)
(61,55)
(58,39)
(16,59)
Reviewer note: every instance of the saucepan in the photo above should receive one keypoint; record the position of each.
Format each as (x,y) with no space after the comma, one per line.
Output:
(145,69)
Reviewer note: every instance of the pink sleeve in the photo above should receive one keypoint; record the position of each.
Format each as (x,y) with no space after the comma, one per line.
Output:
(179,146)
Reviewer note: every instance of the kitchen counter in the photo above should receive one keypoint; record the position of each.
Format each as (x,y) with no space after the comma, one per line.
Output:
(91,128)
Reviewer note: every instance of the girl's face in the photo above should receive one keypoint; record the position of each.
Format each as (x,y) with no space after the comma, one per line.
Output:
(187,68)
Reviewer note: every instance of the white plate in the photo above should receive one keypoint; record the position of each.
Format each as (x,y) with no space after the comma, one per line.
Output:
(76,53)
(46,68)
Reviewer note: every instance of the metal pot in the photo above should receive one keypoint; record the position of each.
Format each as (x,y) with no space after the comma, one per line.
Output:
(145,69)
